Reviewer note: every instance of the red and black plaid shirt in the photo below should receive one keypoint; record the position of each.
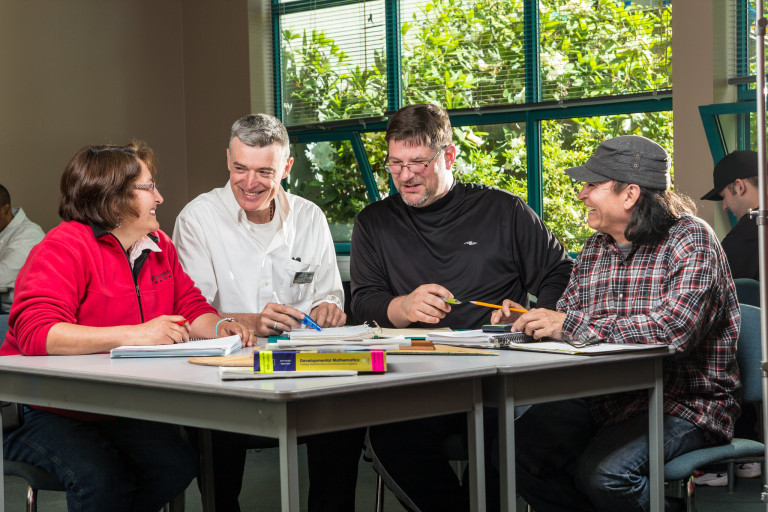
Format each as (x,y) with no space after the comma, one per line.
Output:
(679,293)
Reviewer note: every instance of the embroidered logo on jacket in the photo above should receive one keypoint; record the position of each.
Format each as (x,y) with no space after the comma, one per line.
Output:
(163,276)
(470,242)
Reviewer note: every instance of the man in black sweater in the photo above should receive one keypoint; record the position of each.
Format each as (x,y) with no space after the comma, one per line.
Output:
(440,238)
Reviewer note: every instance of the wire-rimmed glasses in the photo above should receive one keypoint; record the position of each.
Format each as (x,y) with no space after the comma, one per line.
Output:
(413,168)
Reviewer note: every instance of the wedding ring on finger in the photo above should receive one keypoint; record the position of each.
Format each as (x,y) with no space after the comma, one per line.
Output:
(274,327)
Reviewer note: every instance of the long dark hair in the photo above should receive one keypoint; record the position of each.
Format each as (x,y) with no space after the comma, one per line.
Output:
(654,213)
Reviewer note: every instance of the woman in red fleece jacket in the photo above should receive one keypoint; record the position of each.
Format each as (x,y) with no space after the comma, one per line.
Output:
(105,277)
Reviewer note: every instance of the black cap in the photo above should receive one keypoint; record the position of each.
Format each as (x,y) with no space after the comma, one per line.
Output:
(737,165)
(629,159)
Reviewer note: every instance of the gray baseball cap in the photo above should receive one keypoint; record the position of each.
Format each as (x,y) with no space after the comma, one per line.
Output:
(629,159)
(737,165)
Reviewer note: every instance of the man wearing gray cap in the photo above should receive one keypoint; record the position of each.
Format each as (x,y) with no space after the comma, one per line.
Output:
(652,273)
(735,178)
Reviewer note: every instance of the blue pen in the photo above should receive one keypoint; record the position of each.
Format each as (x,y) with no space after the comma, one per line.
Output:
(307,320)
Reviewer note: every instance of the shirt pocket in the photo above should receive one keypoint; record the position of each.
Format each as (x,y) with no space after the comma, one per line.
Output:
(290,292)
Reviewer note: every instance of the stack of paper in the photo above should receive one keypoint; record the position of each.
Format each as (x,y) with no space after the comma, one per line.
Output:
(192,348)
(369,344)
(350,337)
(346,333)
(475,338)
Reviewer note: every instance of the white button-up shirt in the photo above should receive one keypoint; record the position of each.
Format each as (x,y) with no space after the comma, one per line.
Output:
(16,240)
(238,273)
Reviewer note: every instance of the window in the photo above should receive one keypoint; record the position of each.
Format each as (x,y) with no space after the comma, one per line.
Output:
(520,79)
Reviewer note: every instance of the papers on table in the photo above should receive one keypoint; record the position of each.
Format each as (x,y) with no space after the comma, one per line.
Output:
(192,348)
(350,337)
(346,333)
(228,373)
(474,338)
(369,344)
(410,332)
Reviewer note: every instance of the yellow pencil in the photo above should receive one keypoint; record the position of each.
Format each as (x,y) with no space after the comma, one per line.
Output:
(478,303)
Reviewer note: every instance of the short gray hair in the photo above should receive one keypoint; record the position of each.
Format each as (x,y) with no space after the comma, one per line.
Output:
(261,130)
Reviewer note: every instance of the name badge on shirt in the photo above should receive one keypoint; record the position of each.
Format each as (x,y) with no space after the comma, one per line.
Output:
(303,277)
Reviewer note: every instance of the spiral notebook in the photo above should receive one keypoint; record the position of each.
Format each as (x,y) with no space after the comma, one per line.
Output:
(521,341)
(192,348)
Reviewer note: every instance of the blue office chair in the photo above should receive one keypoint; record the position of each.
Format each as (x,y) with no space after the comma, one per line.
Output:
(747,291)
(678,471)
(39,479)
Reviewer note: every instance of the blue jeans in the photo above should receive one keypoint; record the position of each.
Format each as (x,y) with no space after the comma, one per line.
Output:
(567,462)
(118,464)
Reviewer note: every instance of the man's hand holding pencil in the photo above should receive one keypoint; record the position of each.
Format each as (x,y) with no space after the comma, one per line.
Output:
(507,313)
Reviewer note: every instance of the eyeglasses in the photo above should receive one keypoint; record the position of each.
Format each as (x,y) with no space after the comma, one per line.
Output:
(414,168)
(145,186)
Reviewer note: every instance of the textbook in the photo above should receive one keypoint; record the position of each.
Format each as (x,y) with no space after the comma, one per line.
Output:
(268,361)
(192,348)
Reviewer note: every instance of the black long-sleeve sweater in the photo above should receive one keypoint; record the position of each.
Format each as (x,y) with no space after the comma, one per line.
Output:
(479,242)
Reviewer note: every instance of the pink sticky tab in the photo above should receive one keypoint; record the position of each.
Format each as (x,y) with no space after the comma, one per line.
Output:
(378,361)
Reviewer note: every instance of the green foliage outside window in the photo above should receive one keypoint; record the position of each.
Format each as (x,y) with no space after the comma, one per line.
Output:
(464,53)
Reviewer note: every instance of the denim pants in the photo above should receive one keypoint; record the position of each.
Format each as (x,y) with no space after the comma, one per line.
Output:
(567,462)
(118,464)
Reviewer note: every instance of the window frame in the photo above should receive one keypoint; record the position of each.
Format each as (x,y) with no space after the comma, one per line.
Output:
(532,113)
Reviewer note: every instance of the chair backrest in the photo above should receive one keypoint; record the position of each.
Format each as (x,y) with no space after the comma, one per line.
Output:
(749,353)
(747,291)
(12,416)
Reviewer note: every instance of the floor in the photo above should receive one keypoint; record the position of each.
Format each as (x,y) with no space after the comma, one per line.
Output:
(261,491)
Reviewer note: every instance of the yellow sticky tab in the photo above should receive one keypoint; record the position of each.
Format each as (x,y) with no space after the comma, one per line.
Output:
(265,361)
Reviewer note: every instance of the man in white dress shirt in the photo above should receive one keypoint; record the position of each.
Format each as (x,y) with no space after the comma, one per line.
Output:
(18,235)
(266,258)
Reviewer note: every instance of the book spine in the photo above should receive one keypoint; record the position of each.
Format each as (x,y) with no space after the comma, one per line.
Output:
(269,361)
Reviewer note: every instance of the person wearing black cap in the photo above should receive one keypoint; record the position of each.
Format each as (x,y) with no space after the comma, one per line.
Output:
(735,178)
(652,273)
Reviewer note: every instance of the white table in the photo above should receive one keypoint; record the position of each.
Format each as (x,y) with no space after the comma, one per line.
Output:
(532,377)
(173,391)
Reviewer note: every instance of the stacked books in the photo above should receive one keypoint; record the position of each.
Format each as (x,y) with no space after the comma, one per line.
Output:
(269,361)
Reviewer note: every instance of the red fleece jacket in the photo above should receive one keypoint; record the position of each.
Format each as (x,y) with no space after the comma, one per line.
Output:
(81,275)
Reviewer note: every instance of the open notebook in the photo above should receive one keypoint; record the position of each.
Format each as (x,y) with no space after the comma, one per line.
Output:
(521,341)
(192,348)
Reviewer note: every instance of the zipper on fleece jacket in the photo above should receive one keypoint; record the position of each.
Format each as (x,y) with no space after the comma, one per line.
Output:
(135,272)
